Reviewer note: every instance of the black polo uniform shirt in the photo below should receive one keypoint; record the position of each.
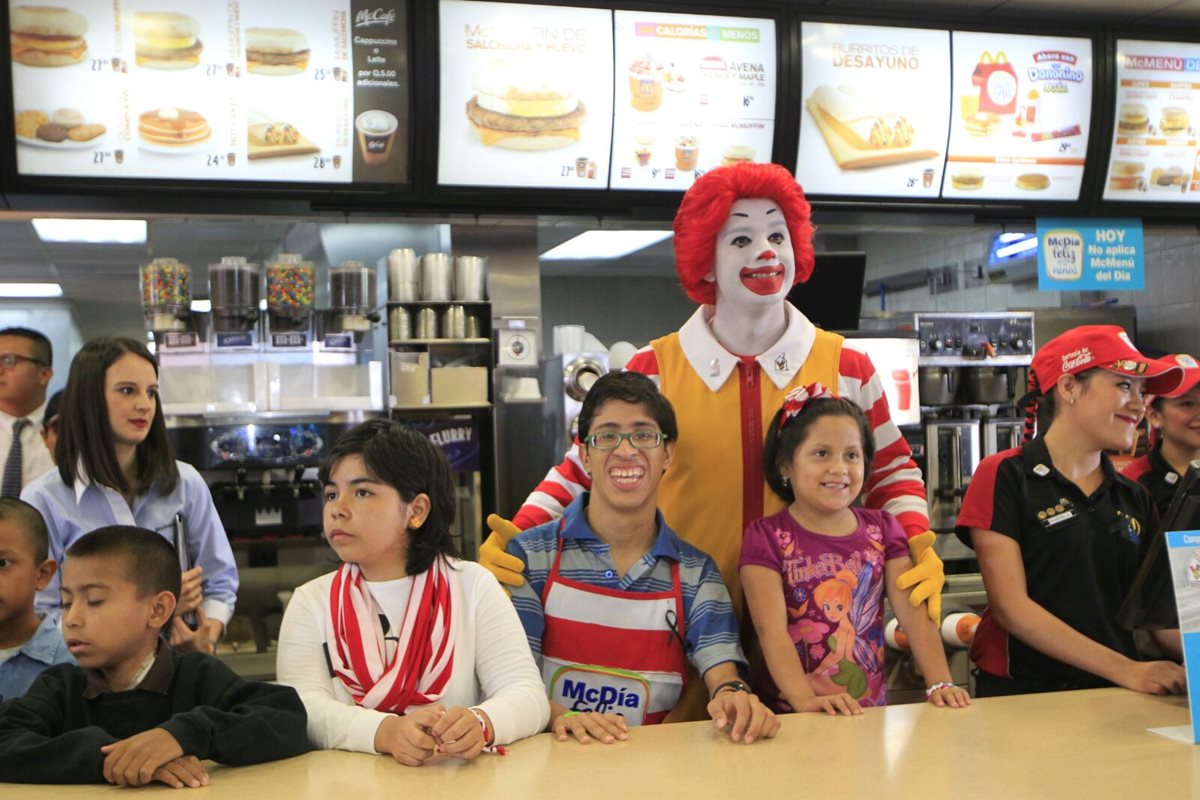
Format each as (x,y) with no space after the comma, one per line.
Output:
(1080,555)
(1159,478)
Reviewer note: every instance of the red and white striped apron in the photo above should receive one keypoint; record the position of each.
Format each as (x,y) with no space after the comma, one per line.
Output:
(613,651)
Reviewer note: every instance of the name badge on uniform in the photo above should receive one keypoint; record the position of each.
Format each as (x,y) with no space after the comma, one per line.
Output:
(1060,512)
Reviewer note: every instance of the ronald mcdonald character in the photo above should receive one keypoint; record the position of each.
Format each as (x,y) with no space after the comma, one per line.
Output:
(742,240)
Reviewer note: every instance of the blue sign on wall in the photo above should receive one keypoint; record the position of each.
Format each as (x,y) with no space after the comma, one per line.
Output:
(1091,255)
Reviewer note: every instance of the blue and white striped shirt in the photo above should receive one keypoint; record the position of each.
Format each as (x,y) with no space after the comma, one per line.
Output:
(710,627)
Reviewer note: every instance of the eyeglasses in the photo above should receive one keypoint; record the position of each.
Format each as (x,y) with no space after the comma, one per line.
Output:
(611,440)
(10,360)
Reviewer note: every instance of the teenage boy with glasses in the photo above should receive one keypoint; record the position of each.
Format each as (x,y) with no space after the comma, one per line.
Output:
(25,371)
(614,604)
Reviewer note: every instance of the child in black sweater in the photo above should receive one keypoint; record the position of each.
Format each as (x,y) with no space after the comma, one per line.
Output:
(134,711)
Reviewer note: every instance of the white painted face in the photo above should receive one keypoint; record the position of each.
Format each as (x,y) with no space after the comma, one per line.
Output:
(754,264)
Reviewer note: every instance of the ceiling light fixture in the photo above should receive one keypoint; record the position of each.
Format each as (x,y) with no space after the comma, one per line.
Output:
(92,231)
(1018,247)
(30,290)
(598,245)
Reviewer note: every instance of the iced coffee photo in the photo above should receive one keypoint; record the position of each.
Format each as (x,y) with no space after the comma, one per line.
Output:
(687,151)
(376,131)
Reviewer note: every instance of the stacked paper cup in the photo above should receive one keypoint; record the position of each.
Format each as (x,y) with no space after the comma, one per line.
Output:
(436,277)
(470,276)
(404,276)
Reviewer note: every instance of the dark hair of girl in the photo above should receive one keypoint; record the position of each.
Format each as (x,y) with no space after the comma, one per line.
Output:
(780,445)
(85,436)
(1040,408)
(412,465)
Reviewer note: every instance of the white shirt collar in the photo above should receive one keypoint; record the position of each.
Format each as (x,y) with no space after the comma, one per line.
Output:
(713,363)
(34,416)
(82,480)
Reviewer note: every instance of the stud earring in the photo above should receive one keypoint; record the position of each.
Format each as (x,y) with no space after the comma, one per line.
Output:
(414,523)
(784,479)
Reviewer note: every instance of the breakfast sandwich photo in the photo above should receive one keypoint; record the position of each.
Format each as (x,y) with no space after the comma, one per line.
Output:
(166,40)
(523,105)
(276,51)
(47,36)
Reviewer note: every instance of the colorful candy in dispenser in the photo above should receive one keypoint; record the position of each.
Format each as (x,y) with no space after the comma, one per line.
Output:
(352,295)
(291,289)
(234,286)
(166,294)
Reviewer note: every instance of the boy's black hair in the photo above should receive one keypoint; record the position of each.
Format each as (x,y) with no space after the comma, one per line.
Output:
(780,446)
(411,464)
(53,410)
(29,519)
(43,351)
(630,387)
(151,563)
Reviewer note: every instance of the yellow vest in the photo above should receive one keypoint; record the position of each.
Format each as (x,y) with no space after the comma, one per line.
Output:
(701,495)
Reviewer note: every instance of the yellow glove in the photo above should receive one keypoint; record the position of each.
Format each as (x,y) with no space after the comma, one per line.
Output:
(927,576)
(508,569)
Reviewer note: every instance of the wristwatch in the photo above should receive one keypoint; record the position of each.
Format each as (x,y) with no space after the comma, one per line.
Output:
(737,686)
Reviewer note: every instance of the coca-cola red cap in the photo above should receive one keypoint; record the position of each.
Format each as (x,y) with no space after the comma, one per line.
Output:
(1107,347)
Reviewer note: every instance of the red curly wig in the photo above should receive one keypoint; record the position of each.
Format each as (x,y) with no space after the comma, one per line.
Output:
(705,208)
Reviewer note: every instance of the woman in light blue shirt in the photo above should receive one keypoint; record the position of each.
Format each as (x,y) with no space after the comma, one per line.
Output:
(116,467)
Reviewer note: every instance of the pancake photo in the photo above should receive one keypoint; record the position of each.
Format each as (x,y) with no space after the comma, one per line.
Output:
(172,129)
(47,36)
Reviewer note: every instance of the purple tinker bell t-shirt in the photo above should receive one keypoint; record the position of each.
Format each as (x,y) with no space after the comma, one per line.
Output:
(833,587)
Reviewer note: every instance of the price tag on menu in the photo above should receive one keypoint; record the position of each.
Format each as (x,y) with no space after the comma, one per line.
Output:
(307,91)
(526,95)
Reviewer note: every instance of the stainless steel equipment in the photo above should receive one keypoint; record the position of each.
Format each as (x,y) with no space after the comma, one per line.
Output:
(938,385)
(1002,433)
(565,381)
(952,452)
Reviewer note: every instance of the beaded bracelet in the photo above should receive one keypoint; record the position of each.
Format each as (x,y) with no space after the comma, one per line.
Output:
(937,687)
(487,734)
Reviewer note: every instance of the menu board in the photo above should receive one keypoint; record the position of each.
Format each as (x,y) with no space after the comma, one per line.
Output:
(526,95)
(876,109)
(692,93)
(308,91)
(1156,151)
(1023,107)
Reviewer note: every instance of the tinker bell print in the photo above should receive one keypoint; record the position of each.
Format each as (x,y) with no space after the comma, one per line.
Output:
(849,601)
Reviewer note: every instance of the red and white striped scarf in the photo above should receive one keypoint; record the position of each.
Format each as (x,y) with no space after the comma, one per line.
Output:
(420,668)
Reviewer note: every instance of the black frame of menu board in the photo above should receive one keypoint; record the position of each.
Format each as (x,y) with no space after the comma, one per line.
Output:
(140,195)
(1185,211)
(984,208)
(634,203)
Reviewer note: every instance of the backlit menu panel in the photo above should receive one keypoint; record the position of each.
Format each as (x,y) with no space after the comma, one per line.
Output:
(1022,108)
(305,91)
(876,108)
(526,95)
(1156,150)
(692,92)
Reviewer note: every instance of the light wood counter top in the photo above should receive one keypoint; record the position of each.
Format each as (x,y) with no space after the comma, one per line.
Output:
(1090,744)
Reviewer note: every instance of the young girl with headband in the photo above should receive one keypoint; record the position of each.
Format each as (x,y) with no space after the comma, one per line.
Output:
(404,650)
(1057,529)
(1175,421)
(815,573)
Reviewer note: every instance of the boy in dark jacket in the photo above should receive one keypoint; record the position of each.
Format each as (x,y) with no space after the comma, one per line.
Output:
(134,711)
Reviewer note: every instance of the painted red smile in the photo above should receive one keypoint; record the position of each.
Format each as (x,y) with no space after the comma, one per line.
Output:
(763,280)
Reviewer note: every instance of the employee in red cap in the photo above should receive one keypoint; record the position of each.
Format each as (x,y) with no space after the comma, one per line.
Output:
(1175,420)
(1057,528)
